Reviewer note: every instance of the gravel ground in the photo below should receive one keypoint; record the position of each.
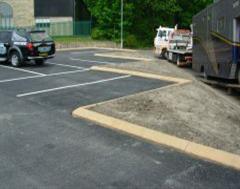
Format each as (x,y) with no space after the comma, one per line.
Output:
(156,66)
(192,111)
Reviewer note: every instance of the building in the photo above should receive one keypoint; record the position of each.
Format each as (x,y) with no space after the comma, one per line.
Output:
(18,13)
(58,17)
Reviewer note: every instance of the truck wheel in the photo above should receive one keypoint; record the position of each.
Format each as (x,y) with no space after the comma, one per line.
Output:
(178,61)
(39,62)
(15,59)
(164,54)
(169,56)
(156,53)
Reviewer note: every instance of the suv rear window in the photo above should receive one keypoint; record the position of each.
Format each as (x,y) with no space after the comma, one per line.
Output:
(40,36)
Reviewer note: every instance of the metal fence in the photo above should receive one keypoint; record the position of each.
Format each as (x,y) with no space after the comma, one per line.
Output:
(81,28)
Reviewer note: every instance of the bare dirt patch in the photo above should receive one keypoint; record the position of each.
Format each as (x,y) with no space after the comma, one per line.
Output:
(194,111)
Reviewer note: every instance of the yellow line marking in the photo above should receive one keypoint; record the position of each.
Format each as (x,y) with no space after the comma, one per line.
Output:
(141,74)
(215,155)
(121,57)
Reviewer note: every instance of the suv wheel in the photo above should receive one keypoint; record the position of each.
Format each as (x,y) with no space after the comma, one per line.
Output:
(39,62)
(15,59)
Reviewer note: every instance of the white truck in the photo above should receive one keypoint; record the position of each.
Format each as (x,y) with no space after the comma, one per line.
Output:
(179,49)
(161,41)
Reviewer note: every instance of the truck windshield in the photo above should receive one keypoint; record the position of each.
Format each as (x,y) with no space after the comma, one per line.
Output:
(40,36)
(162,33)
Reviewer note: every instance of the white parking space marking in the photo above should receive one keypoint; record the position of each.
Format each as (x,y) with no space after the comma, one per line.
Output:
(23,70)
(20,78)
(65,65)
(91,61)
(72,86)
(48,75)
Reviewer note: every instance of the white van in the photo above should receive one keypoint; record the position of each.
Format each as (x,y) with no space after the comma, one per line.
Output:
(161,41)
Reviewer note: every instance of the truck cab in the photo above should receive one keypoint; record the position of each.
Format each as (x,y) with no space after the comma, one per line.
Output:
(161,41)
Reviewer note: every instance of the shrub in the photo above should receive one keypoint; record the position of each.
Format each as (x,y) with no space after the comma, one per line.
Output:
(97,34)
(131,41)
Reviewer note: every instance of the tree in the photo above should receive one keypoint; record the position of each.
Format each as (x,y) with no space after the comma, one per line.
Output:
(187,10)
(141,17)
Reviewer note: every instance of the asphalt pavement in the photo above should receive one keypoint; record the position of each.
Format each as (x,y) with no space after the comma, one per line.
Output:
(42,146)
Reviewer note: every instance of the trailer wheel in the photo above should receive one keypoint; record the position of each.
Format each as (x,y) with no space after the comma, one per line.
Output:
(239,76)
(205,75)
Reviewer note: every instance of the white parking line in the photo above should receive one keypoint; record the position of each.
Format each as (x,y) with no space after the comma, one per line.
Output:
(66,65)
(48,75)
(20,78)
(23,70)
(72,86)
(91,61)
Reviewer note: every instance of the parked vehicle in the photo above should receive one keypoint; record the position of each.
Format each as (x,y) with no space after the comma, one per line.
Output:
(216,49)
(161,41)
(180,47)
(20,46)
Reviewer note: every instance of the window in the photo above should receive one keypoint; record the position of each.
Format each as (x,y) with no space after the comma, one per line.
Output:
(6,15)
(19,36)
(40,36)
(42,23)
(162,34)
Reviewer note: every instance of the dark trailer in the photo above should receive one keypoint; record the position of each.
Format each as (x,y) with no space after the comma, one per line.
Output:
(216,48)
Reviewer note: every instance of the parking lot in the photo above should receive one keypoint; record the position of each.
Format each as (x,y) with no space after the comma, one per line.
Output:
(66,74)
(42,146)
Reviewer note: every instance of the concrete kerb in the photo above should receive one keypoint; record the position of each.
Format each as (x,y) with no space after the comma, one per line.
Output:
(208,153)
(140,74)
(201,151)
(94,48)
(122,57)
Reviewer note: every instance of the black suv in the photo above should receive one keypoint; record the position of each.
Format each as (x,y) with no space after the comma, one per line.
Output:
(17,47)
